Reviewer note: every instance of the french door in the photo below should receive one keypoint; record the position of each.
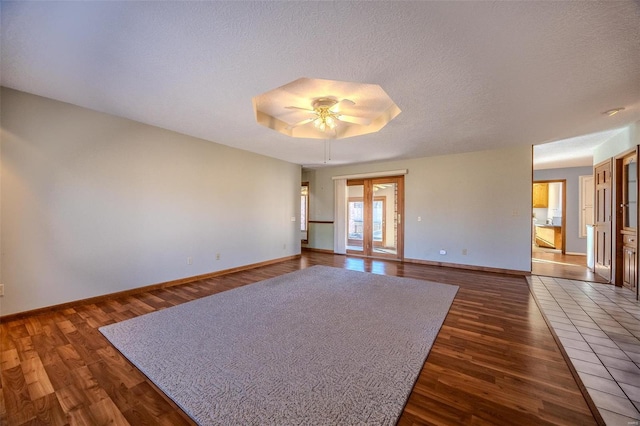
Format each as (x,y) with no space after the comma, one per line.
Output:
(374,217)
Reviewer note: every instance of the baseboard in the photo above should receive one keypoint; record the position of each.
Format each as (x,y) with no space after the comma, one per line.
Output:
(575,254)
(444,264)
(317,250)
(138,290)
(469,267)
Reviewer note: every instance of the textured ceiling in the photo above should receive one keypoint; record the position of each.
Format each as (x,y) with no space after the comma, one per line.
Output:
(571,152)
(467,76)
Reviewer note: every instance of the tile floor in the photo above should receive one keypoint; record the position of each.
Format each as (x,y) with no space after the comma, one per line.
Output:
(599,327)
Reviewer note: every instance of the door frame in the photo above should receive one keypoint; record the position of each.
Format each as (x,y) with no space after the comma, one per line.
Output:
(563,224)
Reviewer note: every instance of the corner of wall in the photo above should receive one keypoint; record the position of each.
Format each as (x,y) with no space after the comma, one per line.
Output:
(618,143)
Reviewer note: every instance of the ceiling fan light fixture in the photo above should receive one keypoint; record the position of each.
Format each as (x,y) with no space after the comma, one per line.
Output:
(327,119)
(325,109)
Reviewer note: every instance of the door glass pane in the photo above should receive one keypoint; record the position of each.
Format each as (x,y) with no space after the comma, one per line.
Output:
(631,189)
(304,217)
(384,217)
(355,217)
(378,220)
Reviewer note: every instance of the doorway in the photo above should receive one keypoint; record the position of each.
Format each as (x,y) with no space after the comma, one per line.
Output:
(549,221)
(374,217)
(549,230)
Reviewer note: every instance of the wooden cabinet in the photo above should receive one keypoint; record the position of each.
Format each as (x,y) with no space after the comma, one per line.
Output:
(548,236)
(627,217)
(629,188)
(540,195)
(629,263)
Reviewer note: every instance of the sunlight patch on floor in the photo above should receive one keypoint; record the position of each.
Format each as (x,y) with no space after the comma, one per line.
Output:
(554,262)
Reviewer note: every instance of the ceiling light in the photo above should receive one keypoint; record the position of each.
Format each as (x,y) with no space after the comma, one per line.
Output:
(613,111)
(325,109)
(326,118)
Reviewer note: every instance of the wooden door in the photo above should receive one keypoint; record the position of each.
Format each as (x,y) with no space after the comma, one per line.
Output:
(602,219)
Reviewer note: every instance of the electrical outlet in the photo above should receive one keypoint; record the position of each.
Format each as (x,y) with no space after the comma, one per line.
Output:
(443,252)
(217,256)
(1,289)
(464,252)
(419,219)
(284,246)
(189,261)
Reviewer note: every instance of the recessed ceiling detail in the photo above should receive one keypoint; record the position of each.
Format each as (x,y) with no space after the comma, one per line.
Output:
(325,109)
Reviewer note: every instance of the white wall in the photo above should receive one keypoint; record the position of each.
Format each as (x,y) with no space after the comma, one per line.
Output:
(94,204)
(478,201)
(617,144)
(634,133)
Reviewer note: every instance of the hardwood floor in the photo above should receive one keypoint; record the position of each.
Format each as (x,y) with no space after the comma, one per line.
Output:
(493,362)
(549,263)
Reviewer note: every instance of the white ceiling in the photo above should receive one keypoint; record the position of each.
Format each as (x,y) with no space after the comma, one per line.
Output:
(467,76)
(572,152)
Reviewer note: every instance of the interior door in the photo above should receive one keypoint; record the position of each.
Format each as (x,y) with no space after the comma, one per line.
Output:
(374,217)
(602,219)
(586,204)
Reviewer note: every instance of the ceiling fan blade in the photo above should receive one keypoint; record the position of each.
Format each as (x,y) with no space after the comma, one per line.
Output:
(341,104)
(300,123)
(354,120)
(302,109)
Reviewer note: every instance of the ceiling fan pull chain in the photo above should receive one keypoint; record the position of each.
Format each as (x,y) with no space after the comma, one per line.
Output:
(325,151)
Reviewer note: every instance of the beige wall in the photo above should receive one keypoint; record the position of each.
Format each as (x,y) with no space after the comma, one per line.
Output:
(478,201)
(93,204)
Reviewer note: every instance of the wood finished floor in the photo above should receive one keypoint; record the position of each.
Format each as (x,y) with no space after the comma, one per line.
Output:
(569,266)
(493,362)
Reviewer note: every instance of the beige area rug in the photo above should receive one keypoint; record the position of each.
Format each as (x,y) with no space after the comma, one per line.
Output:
(318,346)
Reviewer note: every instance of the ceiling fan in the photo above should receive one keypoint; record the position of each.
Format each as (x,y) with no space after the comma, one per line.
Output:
(327,115)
